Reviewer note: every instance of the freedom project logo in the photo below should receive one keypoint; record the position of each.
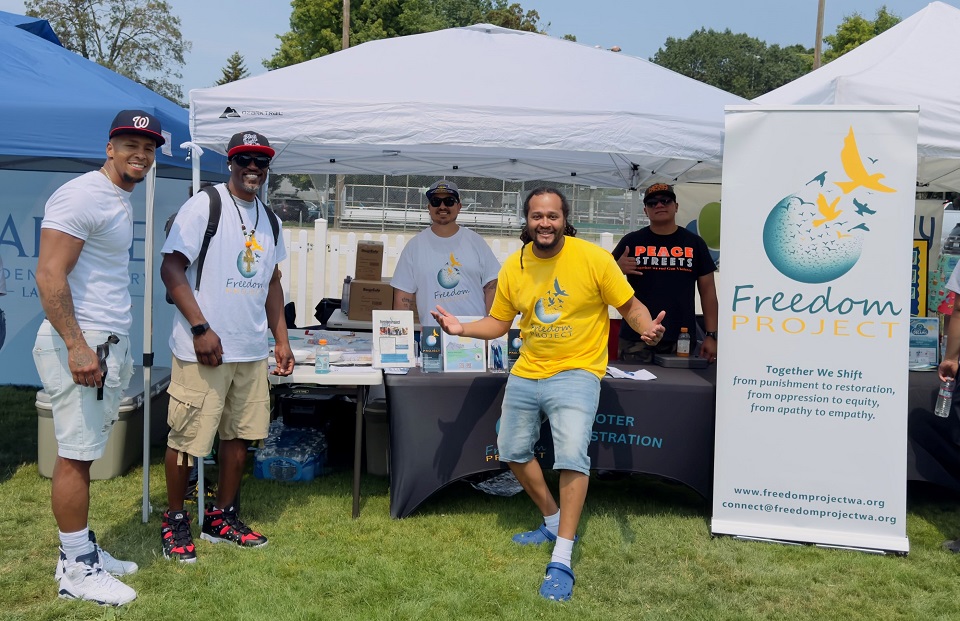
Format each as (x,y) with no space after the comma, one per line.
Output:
(816,235)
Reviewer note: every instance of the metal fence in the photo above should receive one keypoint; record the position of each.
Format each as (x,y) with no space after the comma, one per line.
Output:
(489,206)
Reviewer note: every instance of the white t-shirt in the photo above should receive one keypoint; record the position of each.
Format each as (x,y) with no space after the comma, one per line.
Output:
(449,271)
(95,210)
(235,280)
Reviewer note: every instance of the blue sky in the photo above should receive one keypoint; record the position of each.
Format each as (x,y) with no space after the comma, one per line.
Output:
(217,28)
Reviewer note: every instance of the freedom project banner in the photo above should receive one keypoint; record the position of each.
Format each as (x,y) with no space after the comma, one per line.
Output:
(811,435)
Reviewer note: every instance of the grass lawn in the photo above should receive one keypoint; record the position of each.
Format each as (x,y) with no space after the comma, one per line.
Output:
(645,553)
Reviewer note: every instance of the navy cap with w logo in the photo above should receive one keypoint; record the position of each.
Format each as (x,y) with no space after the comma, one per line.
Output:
(137,122)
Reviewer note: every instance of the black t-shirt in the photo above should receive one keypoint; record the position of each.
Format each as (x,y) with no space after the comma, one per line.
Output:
(670,266)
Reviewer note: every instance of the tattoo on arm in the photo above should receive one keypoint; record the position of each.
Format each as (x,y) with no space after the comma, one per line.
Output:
(408,301)
(61,313)
(634,320)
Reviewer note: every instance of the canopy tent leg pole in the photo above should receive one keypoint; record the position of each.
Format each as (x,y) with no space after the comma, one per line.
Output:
(148,336)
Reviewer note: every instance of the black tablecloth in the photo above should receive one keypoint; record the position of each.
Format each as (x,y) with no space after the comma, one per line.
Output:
(443,428)
(933,450)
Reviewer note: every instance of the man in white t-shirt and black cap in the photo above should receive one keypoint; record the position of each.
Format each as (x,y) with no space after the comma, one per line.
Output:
(446,263)
(82,350)
(218,382)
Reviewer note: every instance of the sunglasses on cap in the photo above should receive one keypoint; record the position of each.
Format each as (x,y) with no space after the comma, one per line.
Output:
(449,201)
(243,160)
(653,202)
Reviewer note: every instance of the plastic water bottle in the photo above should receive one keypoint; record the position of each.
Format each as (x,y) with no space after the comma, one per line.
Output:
(683,343)
(322,363)
(945,398)
(345,296)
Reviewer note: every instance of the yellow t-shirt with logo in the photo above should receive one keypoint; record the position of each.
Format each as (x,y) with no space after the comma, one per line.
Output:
(563,302)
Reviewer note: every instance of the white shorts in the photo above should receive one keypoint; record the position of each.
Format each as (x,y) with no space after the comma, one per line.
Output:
(82,423)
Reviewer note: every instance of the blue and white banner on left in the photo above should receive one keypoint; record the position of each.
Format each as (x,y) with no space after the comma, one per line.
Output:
(818,207)
(21,212)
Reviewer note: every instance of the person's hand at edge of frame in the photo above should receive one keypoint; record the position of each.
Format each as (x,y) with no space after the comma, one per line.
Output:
(448,323)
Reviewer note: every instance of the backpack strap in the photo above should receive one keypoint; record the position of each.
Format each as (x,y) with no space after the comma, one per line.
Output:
(274,223)
(213,222)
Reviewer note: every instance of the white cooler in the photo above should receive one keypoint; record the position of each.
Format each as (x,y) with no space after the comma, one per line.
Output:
(125,446)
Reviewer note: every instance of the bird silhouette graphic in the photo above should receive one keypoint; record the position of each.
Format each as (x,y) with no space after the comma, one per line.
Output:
(861,226)
(454,262)
(829,212)
(557,289)
(873,160)
(435,332)
(853,166)
(841,235)
(863,209)
(821,178)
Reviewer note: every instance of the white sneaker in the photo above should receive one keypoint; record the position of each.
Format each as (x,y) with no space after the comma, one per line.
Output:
(86,579)
(112,565)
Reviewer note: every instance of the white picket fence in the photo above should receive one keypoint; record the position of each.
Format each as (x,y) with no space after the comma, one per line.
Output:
(309,276)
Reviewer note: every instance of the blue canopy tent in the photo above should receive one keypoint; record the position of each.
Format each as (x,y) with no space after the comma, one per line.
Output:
(57,108)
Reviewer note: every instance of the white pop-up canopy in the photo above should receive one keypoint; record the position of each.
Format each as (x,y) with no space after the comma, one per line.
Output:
(478,101)
(912,63)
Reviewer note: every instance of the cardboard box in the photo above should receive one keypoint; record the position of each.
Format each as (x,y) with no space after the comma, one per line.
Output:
(367,296)
(369,262)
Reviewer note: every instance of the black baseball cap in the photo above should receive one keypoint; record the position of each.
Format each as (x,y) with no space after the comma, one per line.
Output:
(137,122)
(246,142)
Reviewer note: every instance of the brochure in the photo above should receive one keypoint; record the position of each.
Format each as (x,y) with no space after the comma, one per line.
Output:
(462,354)
(393,343)
(431,350)
(924,346)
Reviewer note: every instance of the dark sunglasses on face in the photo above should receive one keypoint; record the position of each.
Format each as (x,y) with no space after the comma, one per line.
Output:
(243,160)
(653,202)
(449,201)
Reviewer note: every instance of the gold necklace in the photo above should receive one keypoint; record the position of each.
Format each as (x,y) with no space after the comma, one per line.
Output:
(113,185)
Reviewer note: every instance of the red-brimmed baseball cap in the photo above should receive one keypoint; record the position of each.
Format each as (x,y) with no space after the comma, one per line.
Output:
(246,142)
(137,122)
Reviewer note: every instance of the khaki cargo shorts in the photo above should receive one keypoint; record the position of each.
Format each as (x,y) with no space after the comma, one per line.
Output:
(232,399)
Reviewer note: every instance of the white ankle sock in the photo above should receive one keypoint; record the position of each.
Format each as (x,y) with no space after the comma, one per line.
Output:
(562,551)
(552,522)
(76,544)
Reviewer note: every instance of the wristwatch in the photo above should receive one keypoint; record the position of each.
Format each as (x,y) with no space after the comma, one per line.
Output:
(200,329)
(712,335)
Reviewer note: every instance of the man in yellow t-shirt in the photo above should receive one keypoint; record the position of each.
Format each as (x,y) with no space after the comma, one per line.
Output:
(561,286)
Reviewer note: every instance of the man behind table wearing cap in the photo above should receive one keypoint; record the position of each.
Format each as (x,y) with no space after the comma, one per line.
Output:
(445,263)
(219,342)
(82,278)
(664,262)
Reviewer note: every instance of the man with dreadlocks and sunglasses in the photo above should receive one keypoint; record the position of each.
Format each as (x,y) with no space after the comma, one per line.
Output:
(561,286)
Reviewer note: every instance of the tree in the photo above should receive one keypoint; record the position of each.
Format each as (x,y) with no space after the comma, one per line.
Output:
(139,39)
(736,63)
(855,30)
(235,70)
(316,25)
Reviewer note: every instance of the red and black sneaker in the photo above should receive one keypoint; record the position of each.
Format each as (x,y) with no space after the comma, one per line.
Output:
(224,525)
(176,538)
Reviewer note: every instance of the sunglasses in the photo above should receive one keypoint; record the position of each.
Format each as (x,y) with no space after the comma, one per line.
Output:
(102,352)
(449,201)
(243,160)
(653,202)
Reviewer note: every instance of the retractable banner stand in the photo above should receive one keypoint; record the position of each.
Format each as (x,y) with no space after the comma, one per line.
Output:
(811,436)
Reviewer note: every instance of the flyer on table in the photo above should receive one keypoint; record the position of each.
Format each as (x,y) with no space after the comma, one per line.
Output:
(811,440)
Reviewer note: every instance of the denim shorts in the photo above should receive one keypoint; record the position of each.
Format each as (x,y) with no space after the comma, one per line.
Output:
(569,400)
(81,423)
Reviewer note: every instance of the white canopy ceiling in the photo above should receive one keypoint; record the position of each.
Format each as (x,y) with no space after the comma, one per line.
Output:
(477,101)
(913,63)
